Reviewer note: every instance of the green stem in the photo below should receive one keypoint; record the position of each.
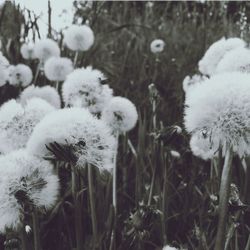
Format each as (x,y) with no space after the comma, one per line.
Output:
(224,197)
(36,233)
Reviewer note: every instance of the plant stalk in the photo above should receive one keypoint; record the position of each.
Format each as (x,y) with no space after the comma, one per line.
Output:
(36,233)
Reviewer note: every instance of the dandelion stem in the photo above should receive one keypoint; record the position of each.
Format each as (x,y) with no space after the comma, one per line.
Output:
(57,86)
(92,204)
(75,58)
(36,233)
(37,72)
(224,197)
(152,187)
(164,201)
(132,148)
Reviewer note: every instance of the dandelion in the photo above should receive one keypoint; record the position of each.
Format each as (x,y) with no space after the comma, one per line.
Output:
(26,181)
(157,46)
(79,37)
(90,138)
(46,93)
(235,60)
(209,62)
(57,68)
(167,247)
(83,88)
(46,48)
(20,74)
(190,82)
(120,114)
(27,51)
(17,122)
(3,75)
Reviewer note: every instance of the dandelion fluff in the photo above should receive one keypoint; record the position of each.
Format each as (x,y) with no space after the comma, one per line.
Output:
(20,74)
(46,48)
(3,75)
(167,247)
(91,138)
(27,51)
(31,176)
(235,60)
(46,93)
(17,122)
(3,60)
(190,82)
(209,62)
(79,37)
(157,46)
(57,68)
(219,109)
(120,114)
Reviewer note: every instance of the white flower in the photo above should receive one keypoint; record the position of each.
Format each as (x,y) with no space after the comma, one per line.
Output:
(219,109)
(90,138)
(190,82)
(209,62)
(235,60)
(28,229)
(57,68)
(79,37)
(175,154)
(167,247)
(25,179)
(120,114)
(157,46)
(44,49)
(27,51)
(83,88)
(20,74)
(46,93)
(17,123)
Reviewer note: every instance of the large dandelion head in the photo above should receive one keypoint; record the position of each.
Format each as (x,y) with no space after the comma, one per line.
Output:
(90,138)
(83,88)
(79,37)
(209,62)
(27,183)
(57,68)
(44,49)
(120,114)
(219,110)
(27,51)
(20,74)
(46,93)
(17,122)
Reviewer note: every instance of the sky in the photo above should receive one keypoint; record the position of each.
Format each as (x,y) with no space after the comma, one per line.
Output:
(61,16)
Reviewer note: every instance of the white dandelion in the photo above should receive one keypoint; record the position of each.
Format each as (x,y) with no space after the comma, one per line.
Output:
(157,46)
(25,180)
(46,93)
(79,37)
(219,109)
(57,68)
(27,51)
(190,82)
(167,247)
(46,48)
(120,114)
(17,122)
(20,74)
(3,60)
(90,138)
(209,62)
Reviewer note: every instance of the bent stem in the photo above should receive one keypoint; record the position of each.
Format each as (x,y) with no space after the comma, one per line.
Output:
(36,233)
(92,204)
(224,197)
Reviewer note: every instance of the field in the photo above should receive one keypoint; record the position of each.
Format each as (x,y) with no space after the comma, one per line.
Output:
(165,194)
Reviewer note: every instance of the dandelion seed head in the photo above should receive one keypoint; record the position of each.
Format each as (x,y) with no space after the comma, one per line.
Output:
(20,74)
(219,109)
(209,62)
(25,179)
(79,37)
(57,68)
(120,114)
(17,122)
(190,82)
(46,48)
(46,93)
(157,46)
(90,137)
(27,51)
(167,247)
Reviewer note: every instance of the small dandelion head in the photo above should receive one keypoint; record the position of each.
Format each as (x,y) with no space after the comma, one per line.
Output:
(20,74)
(46,48)
(167,247)
(79,37)
(57,68)
(120,114)
(157,46)
(27,183)
(27,51)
